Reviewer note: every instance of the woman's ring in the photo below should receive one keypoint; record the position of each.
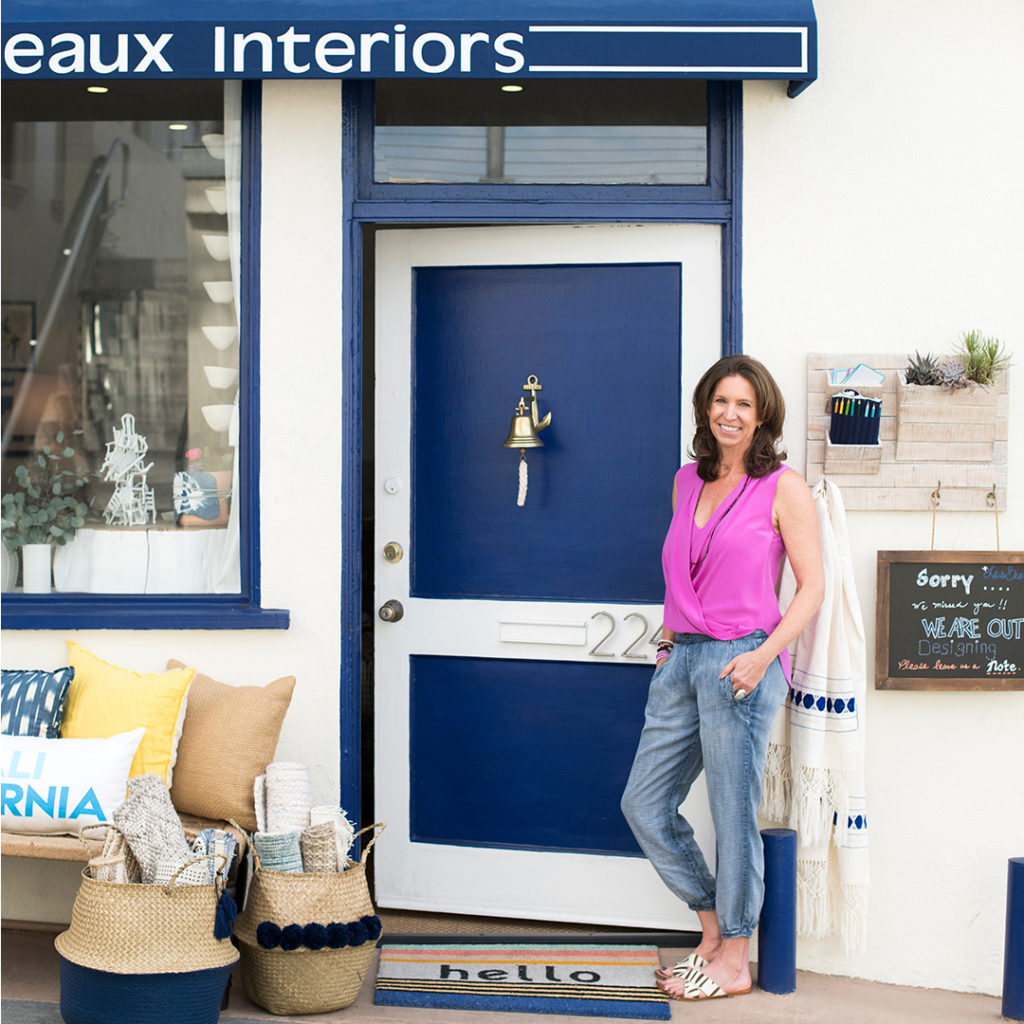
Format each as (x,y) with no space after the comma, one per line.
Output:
(739,694)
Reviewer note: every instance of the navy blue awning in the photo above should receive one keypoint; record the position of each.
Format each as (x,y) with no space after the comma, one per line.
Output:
(711,39)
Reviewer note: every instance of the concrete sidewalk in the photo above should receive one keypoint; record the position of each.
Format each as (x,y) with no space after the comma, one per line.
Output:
(30,989)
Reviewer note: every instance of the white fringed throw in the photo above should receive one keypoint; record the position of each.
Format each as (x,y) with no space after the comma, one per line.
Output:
(814,781)
(289,796)
(344,833)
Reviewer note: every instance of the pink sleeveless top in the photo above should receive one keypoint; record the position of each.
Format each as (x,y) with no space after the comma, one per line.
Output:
(720,578)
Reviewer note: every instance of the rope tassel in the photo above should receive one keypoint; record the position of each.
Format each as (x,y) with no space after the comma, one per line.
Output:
(523,478)
(224,919)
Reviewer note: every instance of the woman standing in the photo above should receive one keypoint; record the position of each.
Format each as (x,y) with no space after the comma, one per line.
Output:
(722,664)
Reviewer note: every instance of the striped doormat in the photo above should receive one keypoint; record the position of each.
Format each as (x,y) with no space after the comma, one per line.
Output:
(584,980)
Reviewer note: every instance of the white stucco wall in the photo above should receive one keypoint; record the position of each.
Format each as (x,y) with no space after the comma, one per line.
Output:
(300,479)
(883,213)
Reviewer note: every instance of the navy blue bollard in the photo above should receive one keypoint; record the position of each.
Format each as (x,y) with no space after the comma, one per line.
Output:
(1013,954)
(776,933)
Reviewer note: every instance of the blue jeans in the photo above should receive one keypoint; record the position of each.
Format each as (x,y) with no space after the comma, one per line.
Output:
(692,722)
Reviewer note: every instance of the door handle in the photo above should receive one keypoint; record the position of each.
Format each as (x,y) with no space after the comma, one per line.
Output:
(391,611)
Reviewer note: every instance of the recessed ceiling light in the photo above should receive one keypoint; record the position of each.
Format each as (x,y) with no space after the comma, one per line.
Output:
(511,88)
(97,88)
(178,127)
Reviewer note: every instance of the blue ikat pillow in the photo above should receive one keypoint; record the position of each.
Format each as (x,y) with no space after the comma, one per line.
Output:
(32,701)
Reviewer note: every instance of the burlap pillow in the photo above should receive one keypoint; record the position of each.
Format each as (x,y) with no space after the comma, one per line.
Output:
(229,737)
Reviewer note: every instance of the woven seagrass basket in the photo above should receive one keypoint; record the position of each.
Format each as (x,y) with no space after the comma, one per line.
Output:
(143,953)
(291,932)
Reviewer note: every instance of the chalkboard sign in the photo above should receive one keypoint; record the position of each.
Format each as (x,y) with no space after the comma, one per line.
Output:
(950,620)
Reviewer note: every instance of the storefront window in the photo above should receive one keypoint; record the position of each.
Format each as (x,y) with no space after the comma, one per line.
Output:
(541,132)
(121,256)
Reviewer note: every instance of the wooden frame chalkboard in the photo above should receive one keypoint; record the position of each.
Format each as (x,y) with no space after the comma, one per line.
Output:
(950,620)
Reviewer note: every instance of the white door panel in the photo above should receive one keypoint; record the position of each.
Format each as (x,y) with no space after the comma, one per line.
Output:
(522,883)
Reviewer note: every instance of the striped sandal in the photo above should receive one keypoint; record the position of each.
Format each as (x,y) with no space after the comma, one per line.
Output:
(683,969)
(699,986)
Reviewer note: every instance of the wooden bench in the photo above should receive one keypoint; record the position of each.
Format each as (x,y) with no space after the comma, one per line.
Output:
(71,848)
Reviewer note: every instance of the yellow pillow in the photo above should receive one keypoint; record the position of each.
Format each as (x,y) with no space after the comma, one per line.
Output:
(104,700)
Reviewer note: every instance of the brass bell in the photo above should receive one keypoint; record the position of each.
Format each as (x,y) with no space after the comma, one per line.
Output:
(522,433)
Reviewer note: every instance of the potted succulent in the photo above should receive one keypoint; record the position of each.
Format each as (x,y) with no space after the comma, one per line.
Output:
(947,407)
(984,359)
(44,510)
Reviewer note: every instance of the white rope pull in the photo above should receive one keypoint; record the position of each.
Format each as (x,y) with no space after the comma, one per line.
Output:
(523,478)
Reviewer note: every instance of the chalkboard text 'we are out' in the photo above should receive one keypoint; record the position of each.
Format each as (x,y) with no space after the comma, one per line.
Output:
(950,620)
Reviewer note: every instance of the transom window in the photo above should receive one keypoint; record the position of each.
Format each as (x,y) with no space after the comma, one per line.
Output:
(595,132)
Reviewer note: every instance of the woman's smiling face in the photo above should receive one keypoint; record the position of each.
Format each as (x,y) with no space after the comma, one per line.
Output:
(732,414)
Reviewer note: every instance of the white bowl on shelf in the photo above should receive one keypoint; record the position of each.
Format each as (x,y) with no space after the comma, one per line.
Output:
(218,199)
(218,416)
(220,337)
(214,144)
(217,246)
(220,377)
(220,291)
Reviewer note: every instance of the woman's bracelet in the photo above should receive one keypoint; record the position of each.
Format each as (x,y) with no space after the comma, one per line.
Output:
(662,655)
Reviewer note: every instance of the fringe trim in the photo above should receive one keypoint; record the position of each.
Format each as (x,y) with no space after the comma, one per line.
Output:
(814,919)
(821,804)
(825,910)
(853,917)
(777,790)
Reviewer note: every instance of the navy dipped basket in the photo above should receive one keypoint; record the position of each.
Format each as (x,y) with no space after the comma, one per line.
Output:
(88,996)
(155,953)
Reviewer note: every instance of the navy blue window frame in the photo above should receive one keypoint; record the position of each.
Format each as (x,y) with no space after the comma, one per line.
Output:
(195,611)
(366,203)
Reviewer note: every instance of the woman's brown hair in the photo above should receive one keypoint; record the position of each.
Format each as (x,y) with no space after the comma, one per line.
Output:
(764,455)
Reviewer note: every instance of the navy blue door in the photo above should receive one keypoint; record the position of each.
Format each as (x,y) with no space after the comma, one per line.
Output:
(523,658)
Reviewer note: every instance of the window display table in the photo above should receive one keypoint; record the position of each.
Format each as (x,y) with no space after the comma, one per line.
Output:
(159,559)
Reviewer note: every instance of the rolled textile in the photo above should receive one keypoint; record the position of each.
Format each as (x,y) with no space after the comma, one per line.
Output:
(116,863)
(344,833)
(209,843)
(216,841)
(319,850)
(289,796)
(151,826)
(259,796)
(279,851)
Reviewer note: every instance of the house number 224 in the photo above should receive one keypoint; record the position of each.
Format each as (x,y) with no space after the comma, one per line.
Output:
(630,651)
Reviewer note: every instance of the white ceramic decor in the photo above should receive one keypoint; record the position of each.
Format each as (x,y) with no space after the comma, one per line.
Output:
(220,376)
(218,199)
(218,416)
(214,144)
(220,337)
(217,246)
(36,562)
(220,291)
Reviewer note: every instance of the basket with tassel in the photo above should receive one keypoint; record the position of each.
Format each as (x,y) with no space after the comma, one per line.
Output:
(155,953)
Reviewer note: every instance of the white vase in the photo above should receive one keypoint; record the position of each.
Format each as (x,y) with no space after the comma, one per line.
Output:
(36,568)
(10,568)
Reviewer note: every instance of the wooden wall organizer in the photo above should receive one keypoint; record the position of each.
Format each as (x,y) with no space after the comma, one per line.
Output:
(903,477)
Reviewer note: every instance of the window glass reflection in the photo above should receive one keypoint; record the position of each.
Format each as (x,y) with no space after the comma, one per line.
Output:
(121,252)
(546,132)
